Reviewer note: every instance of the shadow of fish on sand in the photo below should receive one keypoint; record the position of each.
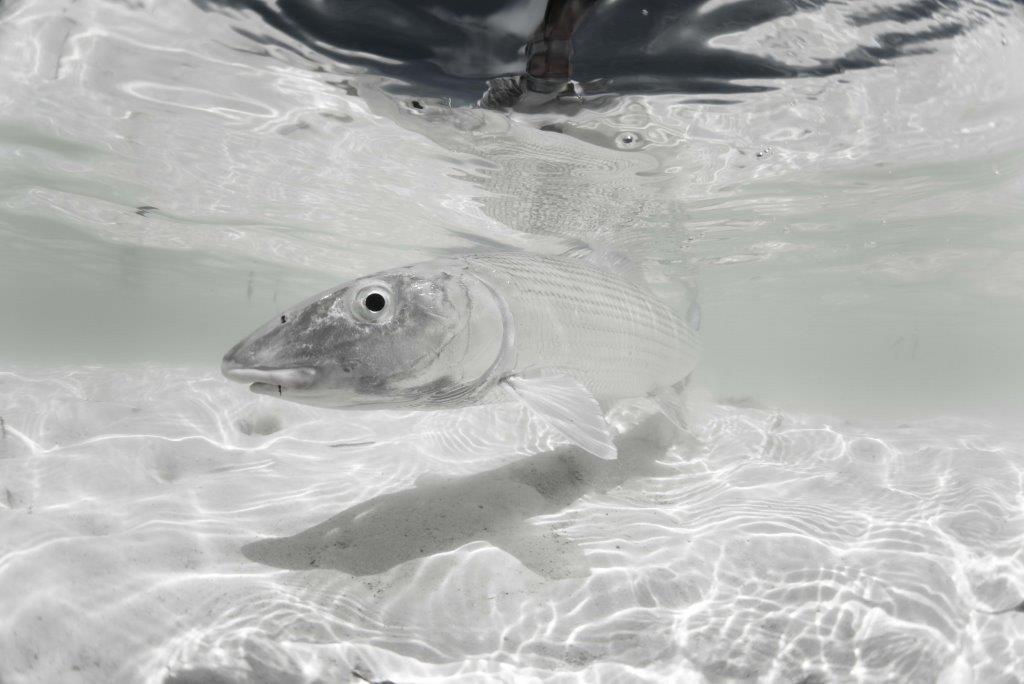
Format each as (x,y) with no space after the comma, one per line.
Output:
(442,514)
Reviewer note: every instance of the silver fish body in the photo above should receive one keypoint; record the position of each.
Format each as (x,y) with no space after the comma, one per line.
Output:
(606,330)
(567,335)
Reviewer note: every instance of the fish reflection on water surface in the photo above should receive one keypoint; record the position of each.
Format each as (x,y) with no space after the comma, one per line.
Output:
(599,179)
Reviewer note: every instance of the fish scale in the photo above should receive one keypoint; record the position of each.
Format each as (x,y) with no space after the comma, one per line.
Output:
(609,332)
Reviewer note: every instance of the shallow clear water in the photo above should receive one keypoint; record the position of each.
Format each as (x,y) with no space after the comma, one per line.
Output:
(845,507)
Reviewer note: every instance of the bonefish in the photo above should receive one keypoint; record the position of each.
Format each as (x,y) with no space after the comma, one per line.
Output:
(565,335)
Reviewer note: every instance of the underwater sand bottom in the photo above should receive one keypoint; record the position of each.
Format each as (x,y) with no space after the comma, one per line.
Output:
(160,524)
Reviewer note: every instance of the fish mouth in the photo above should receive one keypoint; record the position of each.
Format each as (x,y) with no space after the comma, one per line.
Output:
(271,381)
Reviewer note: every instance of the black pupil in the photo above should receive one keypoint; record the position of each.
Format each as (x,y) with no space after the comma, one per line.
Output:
(374,302)
(416,104)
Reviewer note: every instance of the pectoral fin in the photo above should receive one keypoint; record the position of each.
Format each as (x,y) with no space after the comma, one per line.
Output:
(564,404)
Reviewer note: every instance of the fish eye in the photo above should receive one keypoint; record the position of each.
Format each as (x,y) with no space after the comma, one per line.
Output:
(628,140)
(372,303)
(416,104)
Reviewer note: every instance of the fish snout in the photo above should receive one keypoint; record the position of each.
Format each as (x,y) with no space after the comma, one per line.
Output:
(288,378)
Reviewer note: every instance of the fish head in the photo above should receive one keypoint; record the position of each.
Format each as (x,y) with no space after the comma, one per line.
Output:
(391,340)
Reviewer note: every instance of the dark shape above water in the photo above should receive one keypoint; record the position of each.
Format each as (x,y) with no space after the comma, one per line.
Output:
(451,47)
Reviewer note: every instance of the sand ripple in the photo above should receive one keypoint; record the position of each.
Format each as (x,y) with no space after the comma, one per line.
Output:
(165,525)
